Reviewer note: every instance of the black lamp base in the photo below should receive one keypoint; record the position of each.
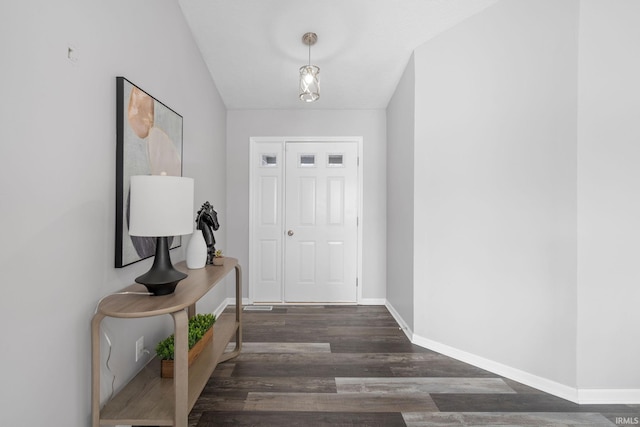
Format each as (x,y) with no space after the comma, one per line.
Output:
(159,290)
(162,278)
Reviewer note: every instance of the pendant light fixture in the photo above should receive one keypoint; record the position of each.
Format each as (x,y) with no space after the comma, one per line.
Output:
(309,74)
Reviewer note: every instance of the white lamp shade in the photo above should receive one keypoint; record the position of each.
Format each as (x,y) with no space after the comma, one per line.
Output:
(161,206)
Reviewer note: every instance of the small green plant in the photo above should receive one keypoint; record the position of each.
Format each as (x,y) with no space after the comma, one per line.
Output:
(218,253)
(198,326)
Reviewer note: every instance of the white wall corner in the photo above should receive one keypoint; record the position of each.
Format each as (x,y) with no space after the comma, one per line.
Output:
(540,383)
(403,325)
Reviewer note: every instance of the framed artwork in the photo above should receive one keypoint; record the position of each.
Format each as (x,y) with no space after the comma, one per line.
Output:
(149,142)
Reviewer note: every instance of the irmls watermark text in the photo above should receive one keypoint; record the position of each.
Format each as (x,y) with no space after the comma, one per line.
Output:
(627,421)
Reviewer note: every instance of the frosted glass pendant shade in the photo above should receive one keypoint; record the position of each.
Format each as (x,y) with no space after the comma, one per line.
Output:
(309,83)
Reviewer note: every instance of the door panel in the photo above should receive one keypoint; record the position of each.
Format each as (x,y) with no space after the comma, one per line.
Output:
(268,260)
(335,200)
(306,265)
(336,262)
(321,185)
(307,199)
(268,213)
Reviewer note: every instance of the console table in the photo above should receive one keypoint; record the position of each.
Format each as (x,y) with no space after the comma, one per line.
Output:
(148,399)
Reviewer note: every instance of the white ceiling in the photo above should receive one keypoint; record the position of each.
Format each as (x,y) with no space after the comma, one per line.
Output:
(254,48)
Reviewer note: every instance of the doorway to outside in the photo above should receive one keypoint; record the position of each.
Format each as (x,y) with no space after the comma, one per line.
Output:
(305,209)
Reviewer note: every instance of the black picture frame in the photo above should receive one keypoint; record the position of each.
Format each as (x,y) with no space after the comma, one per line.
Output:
(148,142)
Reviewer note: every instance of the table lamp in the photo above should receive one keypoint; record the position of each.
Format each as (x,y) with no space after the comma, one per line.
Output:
(161,206)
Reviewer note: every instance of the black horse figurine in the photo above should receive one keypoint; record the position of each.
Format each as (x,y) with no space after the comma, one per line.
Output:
(207,221)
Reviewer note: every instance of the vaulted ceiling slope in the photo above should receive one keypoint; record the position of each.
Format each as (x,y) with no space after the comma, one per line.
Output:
(254,48)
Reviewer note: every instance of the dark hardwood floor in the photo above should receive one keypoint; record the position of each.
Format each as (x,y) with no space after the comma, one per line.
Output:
(353,366)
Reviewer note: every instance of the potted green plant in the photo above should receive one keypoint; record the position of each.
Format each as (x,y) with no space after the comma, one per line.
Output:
(218,258)
(200,334)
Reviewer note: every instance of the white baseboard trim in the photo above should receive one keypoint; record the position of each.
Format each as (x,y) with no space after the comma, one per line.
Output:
(608,396)
(227,302)
(544,384)
(372,301)
(219,309)
(403,325)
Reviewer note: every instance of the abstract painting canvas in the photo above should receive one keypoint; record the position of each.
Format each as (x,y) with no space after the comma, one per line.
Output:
(149,142)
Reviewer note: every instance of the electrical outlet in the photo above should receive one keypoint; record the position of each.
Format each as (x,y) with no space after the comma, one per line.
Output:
(139,348)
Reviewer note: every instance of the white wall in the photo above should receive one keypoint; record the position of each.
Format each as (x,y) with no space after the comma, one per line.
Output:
(609,197)
(58,185)
(370,124)
(400,209)
(495,186)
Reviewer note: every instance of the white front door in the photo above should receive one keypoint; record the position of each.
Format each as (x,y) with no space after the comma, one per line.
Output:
(266,228)
(321,222)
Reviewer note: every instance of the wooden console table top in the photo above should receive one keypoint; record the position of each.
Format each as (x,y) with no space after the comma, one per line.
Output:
(188,291)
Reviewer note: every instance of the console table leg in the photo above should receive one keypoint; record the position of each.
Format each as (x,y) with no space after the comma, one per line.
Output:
(239,308)
(95,369)
(236,351)
(180,368)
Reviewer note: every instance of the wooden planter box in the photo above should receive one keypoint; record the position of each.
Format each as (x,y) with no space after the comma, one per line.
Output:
(166,366)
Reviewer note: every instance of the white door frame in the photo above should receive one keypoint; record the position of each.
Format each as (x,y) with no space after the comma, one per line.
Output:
(253,151)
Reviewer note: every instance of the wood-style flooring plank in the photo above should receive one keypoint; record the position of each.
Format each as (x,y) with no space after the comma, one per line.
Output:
(531,419)
(301,419)
(441,368)
(392,359)
(329,365)
(286,333)
(287,384)
(311,370)
(458,402)
(282,347)
(369,346)
(328,402)
(422,385)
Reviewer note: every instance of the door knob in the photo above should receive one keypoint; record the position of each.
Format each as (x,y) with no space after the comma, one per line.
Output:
(290,233)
